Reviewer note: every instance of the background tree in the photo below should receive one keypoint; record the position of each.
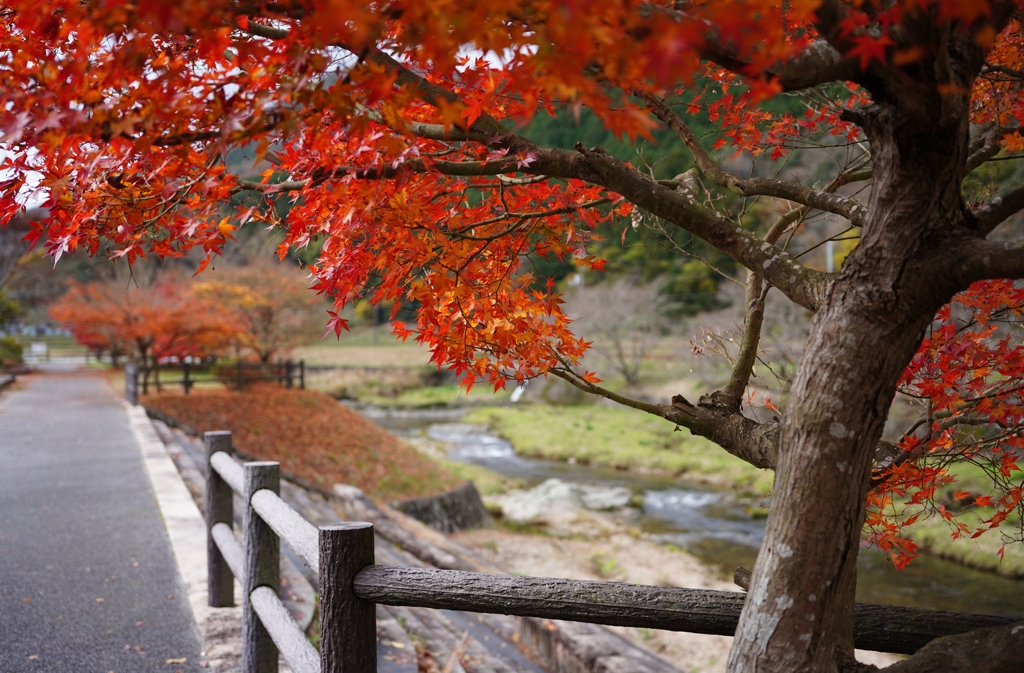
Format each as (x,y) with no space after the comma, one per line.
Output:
(145,324)
(272,308)
(394,129)
(623,316)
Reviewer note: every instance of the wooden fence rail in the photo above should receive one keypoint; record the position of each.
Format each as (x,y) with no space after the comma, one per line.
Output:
(288,373)
(350,585)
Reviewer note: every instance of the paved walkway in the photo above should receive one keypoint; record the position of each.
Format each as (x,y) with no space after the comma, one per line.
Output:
(87,578)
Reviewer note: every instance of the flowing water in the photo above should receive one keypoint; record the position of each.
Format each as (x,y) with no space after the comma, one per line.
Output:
(712,523)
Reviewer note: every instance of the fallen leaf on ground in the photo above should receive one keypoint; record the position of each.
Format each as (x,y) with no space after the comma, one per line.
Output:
(178,660)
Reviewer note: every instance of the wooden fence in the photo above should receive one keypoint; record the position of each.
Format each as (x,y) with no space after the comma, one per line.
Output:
(240,374)
(350,584)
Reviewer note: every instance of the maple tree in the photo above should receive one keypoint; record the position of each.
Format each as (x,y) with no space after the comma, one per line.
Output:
(145,324)
(269,307)
(393,129)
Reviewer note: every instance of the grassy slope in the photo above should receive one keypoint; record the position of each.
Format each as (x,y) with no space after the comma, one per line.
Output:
(618,437)
(313,437)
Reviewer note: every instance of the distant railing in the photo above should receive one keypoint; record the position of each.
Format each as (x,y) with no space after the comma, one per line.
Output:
(350,584)
(239,375)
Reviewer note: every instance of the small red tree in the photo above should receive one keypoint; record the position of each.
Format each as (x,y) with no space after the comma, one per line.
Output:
(148,325)
(395,127)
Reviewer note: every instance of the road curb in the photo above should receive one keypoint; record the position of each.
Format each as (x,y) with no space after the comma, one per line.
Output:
(187,532)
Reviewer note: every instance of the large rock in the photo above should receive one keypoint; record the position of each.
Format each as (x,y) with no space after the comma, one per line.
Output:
(449,512)
(557,496)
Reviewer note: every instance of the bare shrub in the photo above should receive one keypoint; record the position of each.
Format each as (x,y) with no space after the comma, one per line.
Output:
(623,319)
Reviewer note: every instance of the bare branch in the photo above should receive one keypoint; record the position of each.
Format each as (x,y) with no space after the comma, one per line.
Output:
(429,131)
(804,286)
(1003,70)
(752,320)
(748,440)
(268,32)
(802,194)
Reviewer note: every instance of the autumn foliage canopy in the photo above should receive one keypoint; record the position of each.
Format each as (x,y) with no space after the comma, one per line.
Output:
(147,325)
(393,130)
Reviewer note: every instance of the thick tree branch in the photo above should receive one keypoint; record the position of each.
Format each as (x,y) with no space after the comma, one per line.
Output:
(995,650)
(976,259)
(821,62)
(1000,209)
(985,146)
(804,286)
(802,194)
(748,440)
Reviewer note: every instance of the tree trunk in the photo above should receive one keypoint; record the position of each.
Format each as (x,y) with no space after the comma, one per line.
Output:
(801,595)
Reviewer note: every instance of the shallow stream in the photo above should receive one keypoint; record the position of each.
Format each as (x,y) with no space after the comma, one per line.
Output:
(712,523)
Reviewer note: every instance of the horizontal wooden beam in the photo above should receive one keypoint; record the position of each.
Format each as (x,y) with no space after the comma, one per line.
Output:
(291,642)
(289,525)
(883,628)
(229,469)
(230,548)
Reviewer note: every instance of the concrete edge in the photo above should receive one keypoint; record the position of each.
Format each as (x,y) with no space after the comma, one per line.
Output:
(186,529)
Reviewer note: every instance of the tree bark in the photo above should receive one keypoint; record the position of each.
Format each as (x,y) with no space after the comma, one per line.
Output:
(798,614)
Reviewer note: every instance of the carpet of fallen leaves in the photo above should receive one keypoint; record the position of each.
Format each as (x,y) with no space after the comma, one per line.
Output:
(313,437)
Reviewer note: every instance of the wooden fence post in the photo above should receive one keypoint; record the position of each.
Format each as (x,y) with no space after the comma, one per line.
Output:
(185,379)
(218,506)
(302,374)
(240,381)
(348,627)
(131,383)
(262,559)
(289,369)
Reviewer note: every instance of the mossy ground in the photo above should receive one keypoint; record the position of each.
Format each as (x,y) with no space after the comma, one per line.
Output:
(621,438)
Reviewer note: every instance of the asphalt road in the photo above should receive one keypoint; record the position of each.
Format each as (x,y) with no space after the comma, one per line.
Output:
(87,578)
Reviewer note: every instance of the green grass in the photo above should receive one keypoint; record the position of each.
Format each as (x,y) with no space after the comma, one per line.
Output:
(621,438)
(934,536)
